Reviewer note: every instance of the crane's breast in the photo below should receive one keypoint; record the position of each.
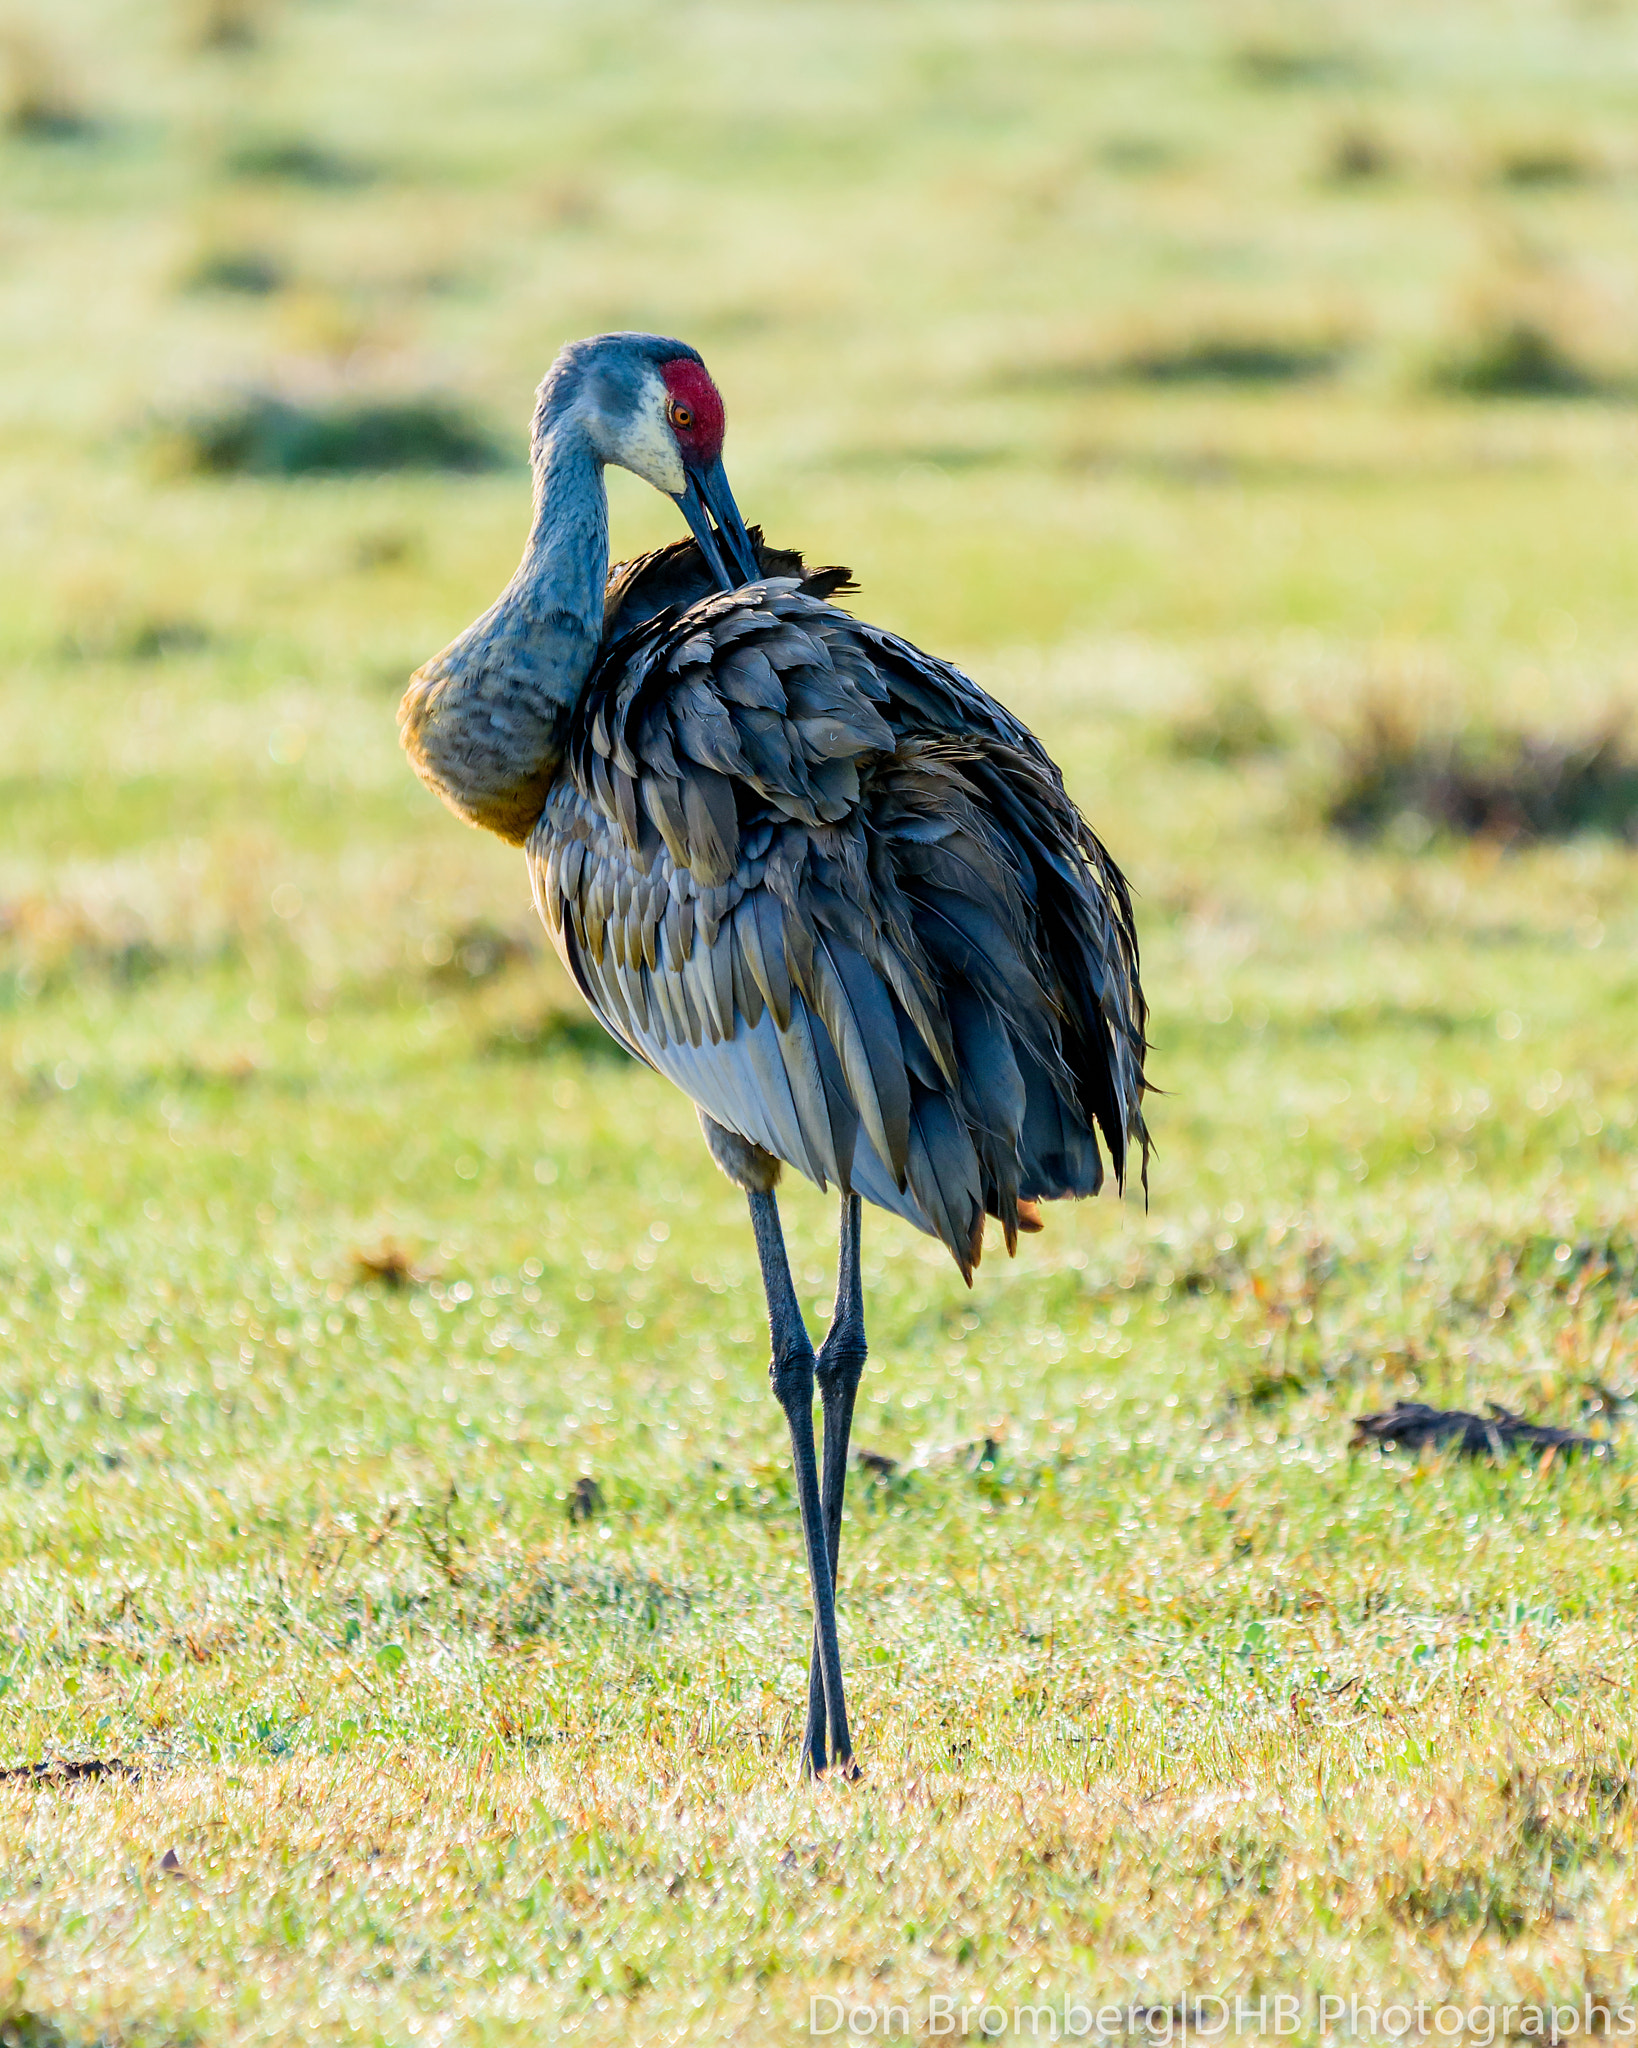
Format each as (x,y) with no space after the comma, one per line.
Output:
(485,722)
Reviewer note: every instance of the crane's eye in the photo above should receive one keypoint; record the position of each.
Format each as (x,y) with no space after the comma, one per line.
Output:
(680,415)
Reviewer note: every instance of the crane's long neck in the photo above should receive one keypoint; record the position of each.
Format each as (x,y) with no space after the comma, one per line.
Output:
(566,561)
(485,722)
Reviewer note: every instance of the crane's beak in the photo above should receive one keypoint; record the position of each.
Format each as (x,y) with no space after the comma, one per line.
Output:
(706,498)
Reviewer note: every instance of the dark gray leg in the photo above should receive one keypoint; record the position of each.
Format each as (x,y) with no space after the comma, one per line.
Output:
(792,1372)
(841,1364)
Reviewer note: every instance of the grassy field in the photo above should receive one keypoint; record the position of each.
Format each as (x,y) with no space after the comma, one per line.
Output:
(1221,384)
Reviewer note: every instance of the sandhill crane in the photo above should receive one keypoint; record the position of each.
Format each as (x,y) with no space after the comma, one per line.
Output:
(816,877)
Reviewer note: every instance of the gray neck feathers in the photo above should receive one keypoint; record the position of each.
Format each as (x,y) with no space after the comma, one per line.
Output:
(484,722)
(566,562)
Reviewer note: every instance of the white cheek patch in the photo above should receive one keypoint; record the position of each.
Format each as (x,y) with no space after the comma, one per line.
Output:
(649,448)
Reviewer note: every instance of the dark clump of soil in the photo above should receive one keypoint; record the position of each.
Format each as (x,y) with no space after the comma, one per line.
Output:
(1414,1426)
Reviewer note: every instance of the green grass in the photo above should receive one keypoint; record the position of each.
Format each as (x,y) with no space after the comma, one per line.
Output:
(1174,1697)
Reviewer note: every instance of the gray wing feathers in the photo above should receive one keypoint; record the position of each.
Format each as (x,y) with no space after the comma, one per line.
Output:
(841,898)
(857,1014)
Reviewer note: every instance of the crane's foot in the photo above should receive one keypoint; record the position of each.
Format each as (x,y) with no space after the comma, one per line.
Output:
(814,1772)
(817,1760)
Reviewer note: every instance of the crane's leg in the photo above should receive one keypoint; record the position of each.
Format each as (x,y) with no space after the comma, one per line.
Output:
(792,1373)
(840,1367)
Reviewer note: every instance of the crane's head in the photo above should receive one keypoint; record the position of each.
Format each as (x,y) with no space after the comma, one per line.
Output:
(649,405)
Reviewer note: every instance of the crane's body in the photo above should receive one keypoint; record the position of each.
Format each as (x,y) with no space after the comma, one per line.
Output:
(839,896)
(817,878)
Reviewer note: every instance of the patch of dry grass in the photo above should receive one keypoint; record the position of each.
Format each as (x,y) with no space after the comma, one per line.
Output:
(38,100)
(1329,1842)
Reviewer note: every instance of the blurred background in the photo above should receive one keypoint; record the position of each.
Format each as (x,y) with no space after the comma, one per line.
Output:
(1244,390)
